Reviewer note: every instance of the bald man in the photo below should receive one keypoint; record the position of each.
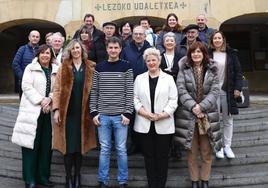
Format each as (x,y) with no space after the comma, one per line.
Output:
(204,31)
(24,56)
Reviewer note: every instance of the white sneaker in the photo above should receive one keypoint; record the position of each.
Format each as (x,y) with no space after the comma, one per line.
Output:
(228,152)
(220,154)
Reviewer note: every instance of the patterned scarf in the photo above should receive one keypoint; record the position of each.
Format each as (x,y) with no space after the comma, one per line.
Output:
(198,75)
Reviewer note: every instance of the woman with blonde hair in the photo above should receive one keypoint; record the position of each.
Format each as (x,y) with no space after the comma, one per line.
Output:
(74,132)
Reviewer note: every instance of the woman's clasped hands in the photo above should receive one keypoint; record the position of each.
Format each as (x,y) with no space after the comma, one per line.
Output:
(45,104)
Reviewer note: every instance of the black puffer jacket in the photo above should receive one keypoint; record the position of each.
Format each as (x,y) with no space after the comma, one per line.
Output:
(234,78)
(185,119)
(98,51)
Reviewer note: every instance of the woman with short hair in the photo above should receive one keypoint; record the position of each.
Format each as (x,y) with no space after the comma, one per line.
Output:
(155,101)
(170,58)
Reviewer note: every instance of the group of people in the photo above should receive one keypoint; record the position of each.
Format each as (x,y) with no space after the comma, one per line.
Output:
(168,89)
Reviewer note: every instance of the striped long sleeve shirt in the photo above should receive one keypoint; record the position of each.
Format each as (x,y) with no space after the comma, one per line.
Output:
(112,90)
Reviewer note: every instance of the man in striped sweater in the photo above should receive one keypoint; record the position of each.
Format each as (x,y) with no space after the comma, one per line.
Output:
(111,105)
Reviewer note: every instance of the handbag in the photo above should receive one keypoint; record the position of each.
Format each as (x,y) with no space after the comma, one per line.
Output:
(203,125)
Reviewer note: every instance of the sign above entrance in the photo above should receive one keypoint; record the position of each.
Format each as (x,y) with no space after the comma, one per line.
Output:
(127,6)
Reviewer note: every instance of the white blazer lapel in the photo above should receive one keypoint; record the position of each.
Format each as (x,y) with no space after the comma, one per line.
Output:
(146,86)
(160,81)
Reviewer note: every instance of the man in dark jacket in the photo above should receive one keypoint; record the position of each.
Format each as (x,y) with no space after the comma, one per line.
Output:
(133,53)
(191,35)
(204,31)
(89,21)
(98,51)
(24,56)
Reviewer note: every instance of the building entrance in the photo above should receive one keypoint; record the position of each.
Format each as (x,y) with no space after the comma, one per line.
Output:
(13,34)
(249,34)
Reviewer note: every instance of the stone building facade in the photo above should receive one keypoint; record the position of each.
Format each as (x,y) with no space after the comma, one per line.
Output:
(245,23)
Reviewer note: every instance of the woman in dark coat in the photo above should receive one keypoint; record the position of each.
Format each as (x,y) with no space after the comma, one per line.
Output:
(74,132)
(125,31)
(169,65)
(230,84)
(85,37)
(170,58)
(198,91)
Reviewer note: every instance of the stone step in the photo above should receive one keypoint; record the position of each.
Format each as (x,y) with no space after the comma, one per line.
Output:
(248,169)
(221,176)
(240,139)
(244,113)
(249,125)
(251,113)
(18,183)
(243,139)
(244,156)
(251,186)
(9,110)
(260,124)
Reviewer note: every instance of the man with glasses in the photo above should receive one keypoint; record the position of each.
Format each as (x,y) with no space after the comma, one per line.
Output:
(133,53)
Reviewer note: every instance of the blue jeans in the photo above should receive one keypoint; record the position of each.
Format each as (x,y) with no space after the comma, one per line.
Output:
(107,125)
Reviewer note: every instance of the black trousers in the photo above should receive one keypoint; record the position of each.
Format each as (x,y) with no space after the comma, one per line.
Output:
(155,149)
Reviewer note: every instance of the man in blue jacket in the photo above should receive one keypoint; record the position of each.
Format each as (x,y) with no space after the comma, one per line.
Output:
(204,31)
(133,53)
(24,56)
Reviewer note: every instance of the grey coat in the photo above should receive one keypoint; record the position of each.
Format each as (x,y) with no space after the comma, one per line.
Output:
(185,119)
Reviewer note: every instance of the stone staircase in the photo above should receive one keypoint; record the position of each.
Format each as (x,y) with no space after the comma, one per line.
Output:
(248,170)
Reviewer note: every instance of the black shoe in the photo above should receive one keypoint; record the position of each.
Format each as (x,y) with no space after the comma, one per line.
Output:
(30,185)
(195,184)
(69,182)
(77,181)
(123,185)
(204,184)
(48,184)
(102,185)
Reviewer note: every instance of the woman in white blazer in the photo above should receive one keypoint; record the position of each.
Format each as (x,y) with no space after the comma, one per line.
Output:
(155,100)
(33,129)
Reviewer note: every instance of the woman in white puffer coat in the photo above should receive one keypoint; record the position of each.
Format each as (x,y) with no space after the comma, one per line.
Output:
(33,131)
